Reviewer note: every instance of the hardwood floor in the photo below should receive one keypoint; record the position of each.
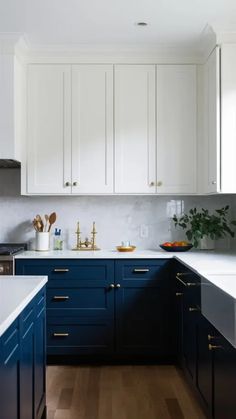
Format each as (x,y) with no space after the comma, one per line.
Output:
(119,392)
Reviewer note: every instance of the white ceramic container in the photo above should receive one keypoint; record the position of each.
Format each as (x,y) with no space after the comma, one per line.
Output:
(42,243)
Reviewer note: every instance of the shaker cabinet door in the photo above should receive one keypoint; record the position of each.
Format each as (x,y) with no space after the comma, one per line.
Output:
(92,129)
(176,129)
(135,129)
(49,129)
(212,122)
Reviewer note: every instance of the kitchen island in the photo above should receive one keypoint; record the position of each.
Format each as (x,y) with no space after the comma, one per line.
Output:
(22,347)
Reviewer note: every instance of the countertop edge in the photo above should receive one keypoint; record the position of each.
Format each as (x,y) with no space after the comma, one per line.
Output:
(18,310)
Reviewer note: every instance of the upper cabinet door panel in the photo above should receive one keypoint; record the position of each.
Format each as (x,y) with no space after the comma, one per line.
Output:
(92,128)
(49,132)
(176,129)
(228,118)
(135,129)
(212,121)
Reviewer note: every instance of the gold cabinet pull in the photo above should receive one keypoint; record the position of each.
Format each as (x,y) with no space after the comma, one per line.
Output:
(61,297)
(186,284)
(112,286)
(210,337)
(213,347)
(178,294)
(159,183)
(60,335)
(191,309)
(118,285)
(61,270)
(140,270)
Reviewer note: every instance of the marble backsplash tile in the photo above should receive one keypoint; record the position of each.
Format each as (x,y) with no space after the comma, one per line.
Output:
(144,220)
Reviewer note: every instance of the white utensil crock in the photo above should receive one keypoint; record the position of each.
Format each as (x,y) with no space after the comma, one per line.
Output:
(42,241)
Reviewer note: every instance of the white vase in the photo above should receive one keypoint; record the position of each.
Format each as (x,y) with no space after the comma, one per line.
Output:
(206,243)
(42,243)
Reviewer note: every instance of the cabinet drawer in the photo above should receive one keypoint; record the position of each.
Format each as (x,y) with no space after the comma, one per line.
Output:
(141,270)
(60,271)
(84,301)
(10,342)
(76,335)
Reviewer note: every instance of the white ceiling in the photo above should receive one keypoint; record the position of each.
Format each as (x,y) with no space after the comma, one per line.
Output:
(175,22)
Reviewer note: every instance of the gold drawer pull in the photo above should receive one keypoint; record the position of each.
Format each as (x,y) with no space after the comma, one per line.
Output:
(60,335)
(61,270)
(140,270)
(212,347)
(186,284)
(210,337)
(191,309)
(61,297)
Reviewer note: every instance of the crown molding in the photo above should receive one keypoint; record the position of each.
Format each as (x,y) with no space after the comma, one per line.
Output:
(14,44)
(128,53)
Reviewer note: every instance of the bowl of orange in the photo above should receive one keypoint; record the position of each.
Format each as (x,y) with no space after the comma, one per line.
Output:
(181,246)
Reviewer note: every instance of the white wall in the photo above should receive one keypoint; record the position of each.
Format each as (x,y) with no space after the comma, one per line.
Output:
(117,217)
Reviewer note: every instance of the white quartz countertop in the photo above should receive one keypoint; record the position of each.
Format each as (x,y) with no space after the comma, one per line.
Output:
(204,263)
(201,261)
(15,294)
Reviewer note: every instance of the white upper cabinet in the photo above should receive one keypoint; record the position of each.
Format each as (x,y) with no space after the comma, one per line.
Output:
(70,129)
(211,118)
(92,129)
(176,129)
(228,118)
(135,129)
(49,129)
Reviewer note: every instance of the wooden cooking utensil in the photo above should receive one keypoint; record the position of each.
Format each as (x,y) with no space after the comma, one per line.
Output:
(46,223)
(40,222)
(52,219)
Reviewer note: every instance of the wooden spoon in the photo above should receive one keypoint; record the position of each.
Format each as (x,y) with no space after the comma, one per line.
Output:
(52,219)
(40,222)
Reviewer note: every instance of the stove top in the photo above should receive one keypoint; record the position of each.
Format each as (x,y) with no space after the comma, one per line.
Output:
(10,249)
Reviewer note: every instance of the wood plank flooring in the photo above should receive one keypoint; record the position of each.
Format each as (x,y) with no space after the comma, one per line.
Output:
(119,392)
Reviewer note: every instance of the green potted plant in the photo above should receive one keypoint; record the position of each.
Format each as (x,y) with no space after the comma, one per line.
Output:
(203,228)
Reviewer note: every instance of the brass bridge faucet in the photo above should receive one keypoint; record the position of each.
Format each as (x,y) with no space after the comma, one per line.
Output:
(86,244)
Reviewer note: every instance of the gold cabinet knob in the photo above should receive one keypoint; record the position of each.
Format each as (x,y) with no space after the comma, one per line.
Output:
(75,183)
(152,184)
(111,286)
(117,285)
(159,183)
(67,184)
(191,309)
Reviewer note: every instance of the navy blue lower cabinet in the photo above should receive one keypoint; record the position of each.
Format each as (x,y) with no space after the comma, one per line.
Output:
(188,302)
(10,373)
(27,363)
(143,308)
(204,379)
(22,364)
(224,369)
(40,356)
